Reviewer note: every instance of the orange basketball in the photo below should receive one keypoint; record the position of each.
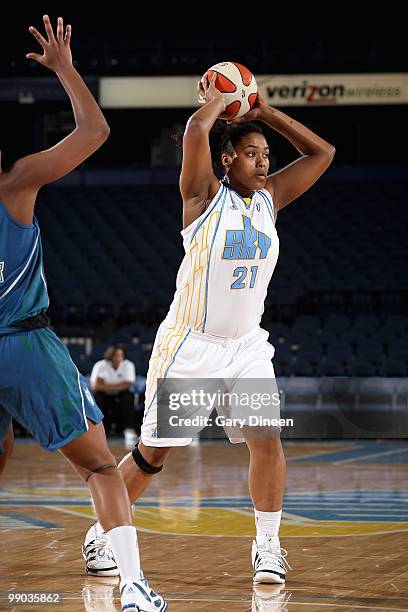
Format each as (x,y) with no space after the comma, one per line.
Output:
(238,86)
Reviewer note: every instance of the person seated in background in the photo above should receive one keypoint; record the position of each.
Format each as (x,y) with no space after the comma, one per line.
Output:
(111,381)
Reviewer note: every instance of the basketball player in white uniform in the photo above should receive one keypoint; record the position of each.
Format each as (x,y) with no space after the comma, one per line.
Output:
(212,328)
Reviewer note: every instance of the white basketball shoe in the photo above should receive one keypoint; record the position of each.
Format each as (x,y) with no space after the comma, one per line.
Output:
(135,594)
(269,560)
(98,554)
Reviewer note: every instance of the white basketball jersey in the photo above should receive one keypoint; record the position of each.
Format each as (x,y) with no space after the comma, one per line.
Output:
(231,253)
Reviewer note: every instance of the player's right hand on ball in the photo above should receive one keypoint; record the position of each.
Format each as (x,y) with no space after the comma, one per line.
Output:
(207,90)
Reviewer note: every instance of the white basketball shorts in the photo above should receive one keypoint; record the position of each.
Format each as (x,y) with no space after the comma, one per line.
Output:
(185,353)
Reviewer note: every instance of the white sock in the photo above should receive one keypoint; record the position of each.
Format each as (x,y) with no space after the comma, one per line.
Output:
(267,525)
(123,541)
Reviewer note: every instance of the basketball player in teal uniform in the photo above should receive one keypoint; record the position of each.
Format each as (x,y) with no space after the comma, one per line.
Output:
(212,328)
(40,387)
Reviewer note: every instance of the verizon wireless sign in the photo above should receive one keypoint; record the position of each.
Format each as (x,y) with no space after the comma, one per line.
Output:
(334,89)
(282,90)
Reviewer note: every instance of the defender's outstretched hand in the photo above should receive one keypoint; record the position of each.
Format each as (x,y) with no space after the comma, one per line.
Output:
(57,51)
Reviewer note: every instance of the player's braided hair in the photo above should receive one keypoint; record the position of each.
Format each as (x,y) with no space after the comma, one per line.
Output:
(225,136)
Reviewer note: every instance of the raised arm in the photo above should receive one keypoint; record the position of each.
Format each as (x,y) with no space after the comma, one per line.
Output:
(198,182)
(29,173)
(291,181)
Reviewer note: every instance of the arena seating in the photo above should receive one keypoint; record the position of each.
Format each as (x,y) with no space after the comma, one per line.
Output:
(335,304)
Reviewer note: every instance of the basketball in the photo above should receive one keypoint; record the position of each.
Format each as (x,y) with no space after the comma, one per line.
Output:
(238,86)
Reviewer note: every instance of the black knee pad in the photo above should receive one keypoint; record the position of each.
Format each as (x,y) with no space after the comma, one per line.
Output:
(143,464)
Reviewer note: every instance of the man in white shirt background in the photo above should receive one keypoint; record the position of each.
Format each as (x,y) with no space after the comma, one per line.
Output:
(111,382)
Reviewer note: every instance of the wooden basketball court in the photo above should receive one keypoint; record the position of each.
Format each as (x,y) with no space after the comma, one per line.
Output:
(345,527)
